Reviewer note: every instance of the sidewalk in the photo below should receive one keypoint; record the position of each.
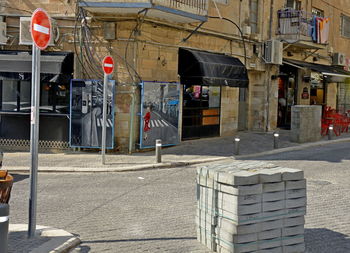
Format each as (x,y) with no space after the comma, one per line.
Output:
(188,152)
(46,240)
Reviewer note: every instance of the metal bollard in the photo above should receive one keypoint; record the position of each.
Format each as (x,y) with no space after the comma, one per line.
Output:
(275,140)
(4,227)
(159,151)
(330,129)
(236,146)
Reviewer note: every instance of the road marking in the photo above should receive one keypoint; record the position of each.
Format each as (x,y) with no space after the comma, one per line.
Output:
(152,124)
(160,123)
(98,122)
(155,122)
(41,29)
(165,123)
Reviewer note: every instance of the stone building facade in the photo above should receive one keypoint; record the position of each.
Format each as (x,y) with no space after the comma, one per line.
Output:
(144,38)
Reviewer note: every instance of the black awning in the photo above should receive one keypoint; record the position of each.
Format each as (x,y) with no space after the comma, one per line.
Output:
(205,68)
(44,78)
(323,69)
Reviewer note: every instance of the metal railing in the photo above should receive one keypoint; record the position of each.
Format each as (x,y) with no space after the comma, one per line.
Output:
(294,22)
(295,25)
(201,5)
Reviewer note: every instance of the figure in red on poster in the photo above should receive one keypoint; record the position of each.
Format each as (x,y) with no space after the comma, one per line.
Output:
(146,122)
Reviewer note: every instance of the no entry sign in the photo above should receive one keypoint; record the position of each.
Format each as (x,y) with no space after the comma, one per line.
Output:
(108,65)
(40,28)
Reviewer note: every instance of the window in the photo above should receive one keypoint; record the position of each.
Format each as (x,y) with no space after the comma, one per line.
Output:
(253,19)
(318,12)
(15,96)
(345,26)
(294,4)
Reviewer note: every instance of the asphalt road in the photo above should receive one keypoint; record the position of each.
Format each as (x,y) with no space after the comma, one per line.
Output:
(153,211)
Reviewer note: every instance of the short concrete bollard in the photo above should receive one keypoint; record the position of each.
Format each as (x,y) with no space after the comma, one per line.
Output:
(159,151)
(330,129)
(4,227)
(275,140)
(236,146)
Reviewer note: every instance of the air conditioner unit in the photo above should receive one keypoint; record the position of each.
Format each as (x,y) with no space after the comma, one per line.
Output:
(25,37)
(3,37)
(273,52)
(339,59)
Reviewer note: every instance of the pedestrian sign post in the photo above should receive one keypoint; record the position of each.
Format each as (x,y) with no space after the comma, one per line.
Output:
(108,67)
(40,29)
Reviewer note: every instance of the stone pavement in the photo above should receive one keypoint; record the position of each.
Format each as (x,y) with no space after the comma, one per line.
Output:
(188,152)
(46,240)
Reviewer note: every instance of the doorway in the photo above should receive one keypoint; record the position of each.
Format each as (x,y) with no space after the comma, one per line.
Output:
(287,95)
(201,111)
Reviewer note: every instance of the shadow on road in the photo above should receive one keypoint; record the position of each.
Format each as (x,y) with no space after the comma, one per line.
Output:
(19,242)
(322,240)
(19,177)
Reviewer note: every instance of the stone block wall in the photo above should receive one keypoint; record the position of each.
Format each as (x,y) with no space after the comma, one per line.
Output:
(306,123)
(229,111)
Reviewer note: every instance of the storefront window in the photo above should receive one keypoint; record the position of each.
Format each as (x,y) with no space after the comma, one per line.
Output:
(201,111)
(15,96)
(25,91)
(9,95)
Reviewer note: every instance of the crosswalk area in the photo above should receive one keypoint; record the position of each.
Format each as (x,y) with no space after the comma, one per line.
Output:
(99,122)
(158,123)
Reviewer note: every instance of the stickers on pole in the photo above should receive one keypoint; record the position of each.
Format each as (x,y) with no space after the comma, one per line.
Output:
(108,65)
(40,28)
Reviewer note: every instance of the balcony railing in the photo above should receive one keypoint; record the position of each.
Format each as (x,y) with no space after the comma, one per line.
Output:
(295,25)
(183,11)
(201,6)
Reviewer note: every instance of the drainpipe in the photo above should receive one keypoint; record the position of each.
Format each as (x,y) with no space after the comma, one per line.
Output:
(269,70)
(132,112)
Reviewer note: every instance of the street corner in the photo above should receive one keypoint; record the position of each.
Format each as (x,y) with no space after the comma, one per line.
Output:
(47,239)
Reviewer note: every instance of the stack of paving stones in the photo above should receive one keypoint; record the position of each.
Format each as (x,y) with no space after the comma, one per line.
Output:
(251,206)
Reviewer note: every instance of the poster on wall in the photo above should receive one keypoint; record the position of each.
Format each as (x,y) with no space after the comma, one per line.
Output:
(86,102)
(159,113)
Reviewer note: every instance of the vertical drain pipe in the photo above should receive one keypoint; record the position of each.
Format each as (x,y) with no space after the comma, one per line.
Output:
(132,112)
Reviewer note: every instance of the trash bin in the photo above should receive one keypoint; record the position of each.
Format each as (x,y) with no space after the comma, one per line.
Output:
(6,181)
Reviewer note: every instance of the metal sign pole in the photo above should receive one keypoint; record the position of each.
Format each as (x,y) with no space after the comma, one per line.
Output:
(34,139)
(104,119)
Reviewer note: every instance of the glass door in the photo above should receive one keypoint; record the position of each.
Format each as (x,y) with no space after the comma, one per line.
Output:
(201,111)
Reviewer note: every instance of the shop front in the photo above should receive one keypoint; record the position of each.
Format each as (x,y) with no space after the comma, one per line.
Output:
(207,79)
(312,84)
(15,99)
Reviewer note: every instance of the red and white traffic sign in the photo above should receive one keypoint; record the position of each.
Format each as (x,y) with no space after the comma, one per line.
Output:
(40,28)
(108,65)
